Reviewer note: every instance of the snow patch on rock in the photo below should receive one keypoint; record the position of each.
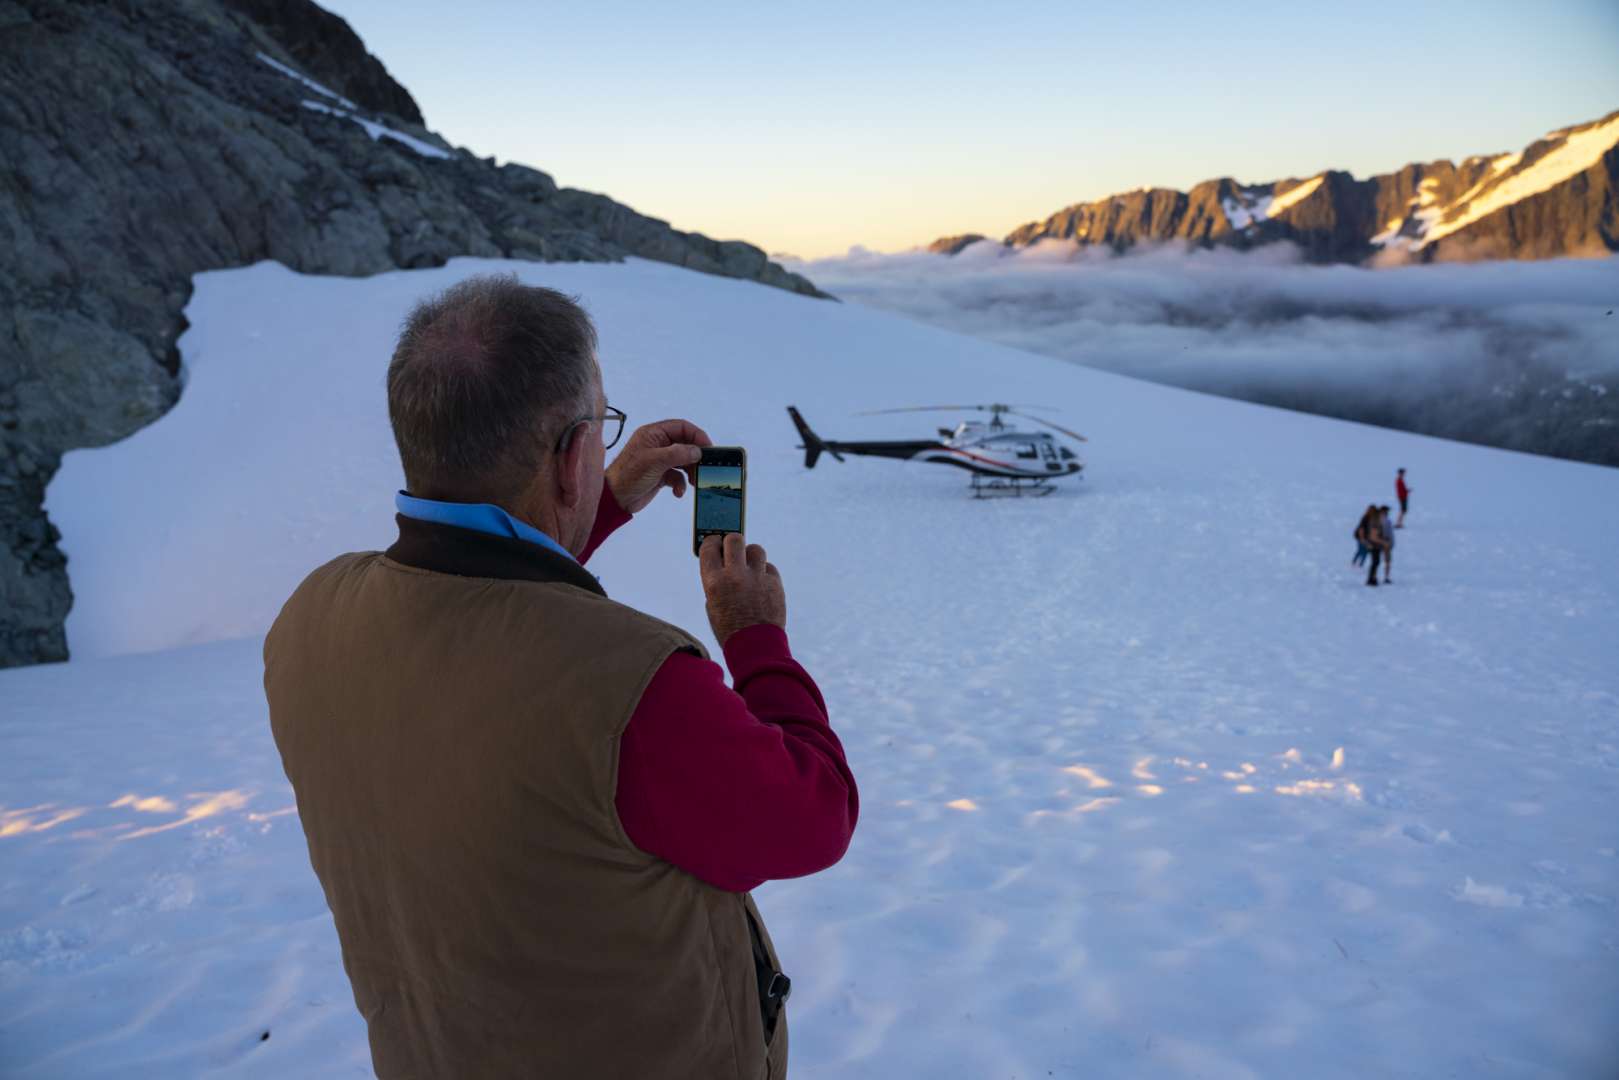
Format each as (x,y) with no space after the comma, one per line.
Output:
(1577,153)
(381,131)
(1293,196)
(292,73)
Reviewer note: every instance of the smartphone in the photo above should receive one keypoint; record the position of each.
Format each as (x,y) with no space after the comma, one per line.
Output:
(722,493)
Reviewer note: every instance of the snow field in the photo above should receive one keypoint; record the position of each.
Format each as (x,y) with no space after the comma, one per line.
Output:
(1152,784)
(165,926)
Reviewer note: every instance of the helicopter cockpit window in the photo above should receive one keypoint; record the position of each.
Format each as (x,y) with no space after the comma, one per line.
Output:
(1028,451)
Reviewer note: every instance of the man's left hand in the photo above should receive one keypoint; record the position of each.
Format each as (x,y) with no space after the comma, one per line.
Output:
(659,455)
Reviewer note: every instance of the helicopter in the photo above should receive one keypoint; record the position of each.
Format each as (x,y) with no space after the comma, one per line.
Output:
(1001,459)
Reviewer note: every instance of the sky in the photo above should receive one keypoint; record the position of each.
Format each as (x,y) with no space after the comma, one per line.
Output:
(808,129)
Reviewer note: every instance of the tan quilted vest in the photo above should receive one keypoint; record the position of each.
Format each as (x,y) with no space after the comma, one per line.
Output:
(452,738)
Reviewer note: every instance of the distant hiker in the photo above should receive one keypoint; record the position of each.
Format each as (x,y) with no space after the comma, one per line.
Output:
(1387,526)
(537,812)
(1402,493)
(1362,548)
(1370,535)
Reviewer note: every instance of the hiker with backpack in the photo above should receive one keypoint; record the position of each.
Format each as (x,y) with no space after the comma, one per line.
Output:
(1369,534)
(1362,549)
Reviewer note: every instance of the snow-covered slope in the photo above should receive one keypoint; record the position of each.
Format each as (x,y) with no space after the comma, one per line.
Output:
(1152,785)
(1506,179)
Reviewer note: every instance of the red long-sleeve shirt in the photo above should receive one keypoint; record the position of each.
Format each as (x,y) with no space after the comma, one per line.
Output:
(734,786)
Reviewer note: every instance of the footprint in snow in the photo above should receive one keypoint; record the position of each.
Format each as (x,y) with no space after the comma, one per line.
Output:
(83,892)
(1424,835)
(1491,896)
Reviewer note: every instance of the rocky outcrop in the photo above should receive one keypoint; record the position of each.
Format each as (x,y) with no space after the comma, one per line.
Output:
(143,143)
(327,49)
(1324,215)
(1555,198)
(951,245)
(1119,221)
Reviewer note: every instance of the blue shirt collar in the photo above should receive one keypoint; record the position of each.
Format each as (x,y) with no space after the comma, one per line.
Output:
(483,517)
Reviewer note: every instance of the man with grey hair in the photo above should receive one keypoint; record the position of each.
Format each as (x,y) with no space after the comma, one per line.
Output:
(537,813)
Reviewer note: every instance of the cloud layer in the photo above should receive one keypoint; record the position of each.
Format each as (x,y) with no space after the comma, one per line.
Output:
(1522,354)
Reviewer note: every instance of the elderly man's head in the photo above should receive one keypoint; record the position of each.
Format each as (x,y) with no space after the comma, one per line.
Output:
(488,379)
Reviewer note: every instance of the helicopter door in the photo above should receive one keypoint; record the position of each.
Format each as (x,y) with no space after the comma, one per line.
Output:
(1048,451)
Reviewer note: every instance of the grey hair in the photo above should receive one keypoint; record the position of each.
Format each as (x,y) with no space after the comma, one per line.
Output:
(485,379)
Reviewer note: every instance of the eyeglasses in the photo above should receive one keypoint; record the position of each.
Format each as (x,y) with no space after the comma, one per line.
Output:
(617,416)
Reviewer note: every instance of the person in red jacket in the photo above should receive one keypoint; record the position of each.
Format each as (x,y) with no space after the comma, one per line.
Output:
(569,895)
(1404,495)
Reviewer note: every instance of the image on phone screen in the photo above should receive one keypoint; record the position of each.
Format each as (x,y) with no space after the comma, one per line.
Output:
(721,490)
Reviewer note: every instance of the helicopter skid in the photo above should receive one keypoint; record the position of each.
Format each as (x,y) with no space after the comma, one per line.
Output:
(991,487)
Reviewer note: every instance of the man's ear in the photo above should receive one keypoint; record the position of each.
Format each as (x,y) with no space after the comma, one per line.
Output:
(570,473)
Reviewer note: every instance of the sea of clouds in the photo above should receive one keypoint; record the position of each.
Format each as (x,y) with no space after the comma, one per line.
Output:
(1523,355)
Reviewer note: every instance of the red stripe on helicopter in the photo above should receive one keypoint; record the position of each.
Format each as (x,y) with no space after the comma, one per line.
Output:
(976,457)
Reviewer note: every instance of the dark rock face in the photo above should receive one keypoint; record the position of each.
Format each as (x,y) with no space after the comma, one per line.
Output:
(143,143)
(327,49)
(1423,212)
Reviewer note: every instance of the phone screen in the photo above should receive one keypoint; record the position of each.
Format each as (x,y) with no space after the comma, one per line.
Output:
(722,483)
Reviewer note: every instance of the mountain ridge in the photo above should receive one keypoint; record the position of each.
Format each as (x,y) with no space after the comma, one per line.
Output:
(1557,197)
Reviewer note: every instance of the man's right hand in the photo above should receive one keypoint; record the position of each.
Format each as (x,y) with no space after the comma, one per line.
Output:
(743,589)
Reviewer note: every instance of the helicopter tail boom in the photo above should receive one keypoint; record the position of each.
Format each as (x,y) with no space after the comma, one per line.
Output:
(813,446)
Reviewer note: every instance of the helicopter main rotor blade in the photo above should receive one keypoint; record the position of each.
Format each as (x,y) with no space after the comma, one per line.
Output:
(995,408)
(921,408)
(1014,410)
(1053,427)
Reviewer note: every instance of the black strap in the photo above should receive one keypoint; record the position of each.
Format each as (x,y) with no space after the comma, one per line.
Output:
(774,987)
